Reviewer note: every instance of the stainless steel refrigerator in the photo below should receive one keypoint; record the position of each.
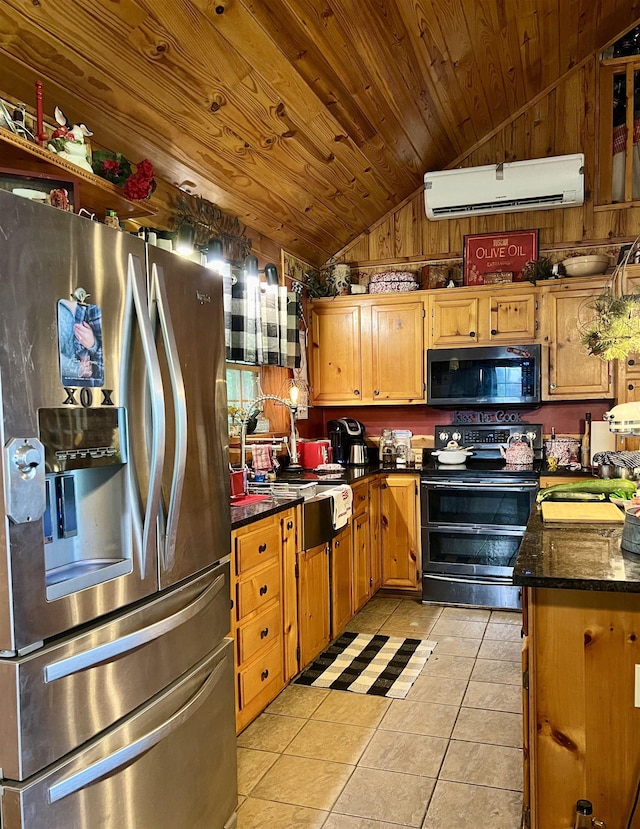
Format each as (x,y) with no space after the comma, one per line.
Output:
(116,679)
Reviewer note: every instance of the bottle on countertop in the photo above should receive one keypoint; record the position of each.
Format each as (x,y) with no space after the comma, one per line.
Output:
(585,446)
(388,448)
(111,218)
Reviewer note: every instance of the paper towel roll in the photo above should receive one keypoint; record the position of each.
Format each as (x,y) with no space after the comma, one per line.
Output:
(602,440)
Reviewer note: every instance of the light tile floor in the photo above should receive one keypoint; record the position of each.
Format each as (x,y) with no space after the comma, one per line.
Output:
(448,756)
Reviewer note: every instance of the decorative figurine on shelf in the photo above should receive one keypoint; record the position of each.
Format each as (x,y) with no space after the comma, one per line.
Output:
(68,141)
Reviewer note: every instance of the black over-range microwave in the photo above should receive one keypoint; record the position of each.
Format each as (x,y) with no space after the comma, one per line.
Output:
(491,375)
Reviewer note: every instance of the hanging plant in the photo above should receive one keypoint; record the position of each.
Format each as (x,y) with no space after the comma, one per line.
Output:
(612,328)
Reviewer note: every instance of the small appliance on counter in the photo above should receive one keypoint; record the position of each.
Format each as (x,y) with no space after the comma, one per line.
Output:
(314,453)
(347,442)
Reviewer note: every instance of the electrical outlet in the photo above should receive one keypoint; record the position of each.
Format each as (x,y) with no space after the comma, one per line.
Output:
(636,695)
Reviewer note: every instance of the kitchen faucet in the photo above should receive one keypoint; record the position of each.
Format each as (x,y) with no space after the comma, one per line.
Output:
(292,406)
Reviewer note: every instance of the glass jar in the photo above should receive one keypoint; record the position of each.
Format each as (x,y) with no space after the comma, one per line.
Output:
(388,448)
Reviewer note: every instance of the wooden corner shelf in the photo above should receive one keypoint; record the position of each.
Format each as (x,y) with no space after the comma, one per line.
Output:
(96,194)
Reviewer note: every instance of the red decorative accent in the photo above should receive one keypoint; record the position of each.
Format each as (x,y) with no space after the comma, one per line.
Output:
(491,252)
(41,135)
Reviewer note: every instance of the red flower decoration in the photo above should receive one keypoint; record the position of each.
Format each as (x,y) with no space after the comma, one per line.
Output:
(141,184)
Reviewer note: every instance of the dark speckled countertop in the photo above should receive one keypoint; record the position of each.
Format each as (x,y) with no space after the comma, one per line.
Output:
(575,557)
(240,516)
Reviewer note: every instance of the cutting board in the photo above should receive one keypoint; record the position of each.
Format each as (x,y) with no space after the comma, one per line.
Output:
(588,512)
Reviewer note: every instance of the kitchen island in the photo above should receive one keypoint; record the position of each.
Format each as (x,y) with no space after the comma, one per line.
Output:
(581,627)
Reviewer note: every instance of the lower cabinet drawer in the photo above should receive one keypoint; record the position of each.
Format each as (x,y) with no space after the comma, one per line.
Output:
(264,670)
(259,632)
(256,590)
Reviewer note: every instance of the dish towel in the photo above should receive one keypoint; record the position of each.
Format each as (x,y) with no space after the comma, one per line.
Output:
(342,503)
(261,458)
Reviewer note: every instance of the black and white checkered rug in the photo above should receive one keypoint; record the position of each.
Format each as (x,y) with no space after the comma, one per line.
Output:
(369,664)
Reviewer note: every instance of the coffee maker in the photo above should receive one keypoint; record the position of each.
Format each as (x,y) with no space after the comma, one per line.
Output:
(347,442)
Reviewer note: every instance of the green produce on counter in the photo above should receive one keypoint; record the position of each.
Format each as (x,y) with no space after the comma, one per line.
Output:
(574,496)
(616,487)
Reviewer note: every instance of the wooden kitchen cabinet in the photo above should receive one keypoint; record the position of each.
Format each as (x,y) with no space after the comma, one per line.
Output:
(341,580)
(365,351)
(399,531)
(568,372)
(257,615)
(581,728)
(375,546)
(314,623)
(482,316)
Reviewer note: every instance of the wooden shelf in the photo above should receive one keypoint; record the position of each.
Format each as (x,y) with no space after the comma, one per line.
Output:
(95,194)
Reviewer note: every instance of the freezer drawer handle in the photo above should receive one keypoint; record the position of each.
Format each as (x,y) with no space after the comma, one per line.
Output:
(159,296)
(129,753)
(93,657)
(459,580)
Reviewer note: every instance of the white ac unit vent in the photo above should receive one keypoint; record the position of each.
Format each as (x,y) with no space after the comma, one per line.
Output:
(536,184)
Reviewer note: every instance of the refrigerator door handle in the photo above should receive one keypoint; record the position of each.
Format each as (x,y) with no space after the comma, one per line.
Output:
(159,296)
(118,647)
(129,753)
(137,281)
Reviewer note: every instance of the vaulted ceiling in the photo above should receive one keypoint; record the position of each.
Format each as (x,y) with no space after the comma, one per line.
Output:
(308,119)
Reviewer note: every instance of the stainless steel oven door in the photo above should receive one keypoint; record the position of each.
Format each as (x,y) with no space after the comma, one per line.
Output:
(473,528)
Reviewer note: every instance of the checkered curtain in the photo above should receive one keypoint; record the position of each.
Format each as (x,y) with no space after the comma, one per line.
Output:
(261,324)
(619,161)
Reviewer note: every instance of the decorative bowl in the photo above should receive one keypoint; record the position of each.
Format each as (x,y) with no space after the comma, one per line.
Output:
(586,265)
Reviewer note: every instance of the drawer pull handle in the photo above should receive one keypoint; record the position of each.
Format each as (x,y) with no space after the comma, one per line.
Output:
(262,548)
(264,674)
(263,589)
(264,633)
(289,525)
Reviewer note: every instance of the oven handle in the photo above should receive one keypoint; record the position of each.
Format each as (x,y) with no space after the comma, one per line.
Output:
(459,580)
(480,485)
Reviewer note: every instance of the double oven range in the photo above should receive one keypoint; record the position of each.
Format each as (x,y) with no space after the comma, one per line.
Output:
(473,516)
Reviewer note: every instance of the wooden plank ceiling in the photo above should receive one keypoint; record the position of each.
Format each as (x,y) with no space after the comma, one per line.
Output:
(309,119)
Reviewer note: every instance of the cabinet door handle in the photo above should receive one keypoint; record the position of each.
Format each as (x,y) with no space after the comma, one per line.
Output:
(631,387)
(262,548)
(356,392)
(263,589)
(289,525)
(472,333)
(631,362)
(493,332)
(376,391)
(264,674)
(264,633)
(552,385)
(337,544)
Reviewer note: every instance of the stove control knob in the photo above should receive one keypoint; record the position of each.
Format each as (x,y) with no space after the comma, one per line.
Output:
(27,458)
(443,436)
(456,436)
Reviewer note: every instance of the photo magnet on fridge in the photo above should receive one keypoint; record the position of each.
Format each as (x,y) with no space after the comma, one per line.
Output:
(80,343)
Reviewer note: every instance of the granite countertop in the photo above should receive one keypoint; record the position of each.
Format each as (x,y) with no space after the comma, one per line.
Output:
(243,515)
(575,557)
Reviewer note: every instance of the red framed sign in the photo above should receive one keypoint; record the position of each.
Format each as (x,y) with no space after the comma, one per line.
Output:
(498,253)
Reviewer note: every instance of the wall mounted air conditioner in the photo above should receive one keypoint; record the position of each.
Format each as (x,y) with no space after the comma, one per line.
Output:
(537,184)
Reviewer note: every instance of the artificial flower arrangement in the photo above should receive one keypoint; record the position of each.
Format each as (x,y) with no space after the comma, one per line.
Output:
(114,167)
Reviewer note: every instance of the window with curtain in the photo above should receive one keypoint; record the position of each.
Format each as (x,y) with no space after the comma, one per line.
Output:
(620,120)
(261,323)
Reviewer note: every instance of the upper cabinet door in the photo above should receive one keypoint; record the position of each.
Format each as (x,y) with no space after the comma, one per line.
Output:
(512,317)
(395,372)
(571,373)
(454,320)
(335,358)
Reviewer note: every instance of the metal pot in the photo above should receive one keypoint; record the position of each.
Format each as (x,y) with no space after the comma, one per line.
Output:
(608,470)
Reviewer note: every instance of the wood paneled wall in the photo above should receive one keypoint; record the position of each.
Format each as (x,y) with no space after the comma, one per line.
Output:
(563,120)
